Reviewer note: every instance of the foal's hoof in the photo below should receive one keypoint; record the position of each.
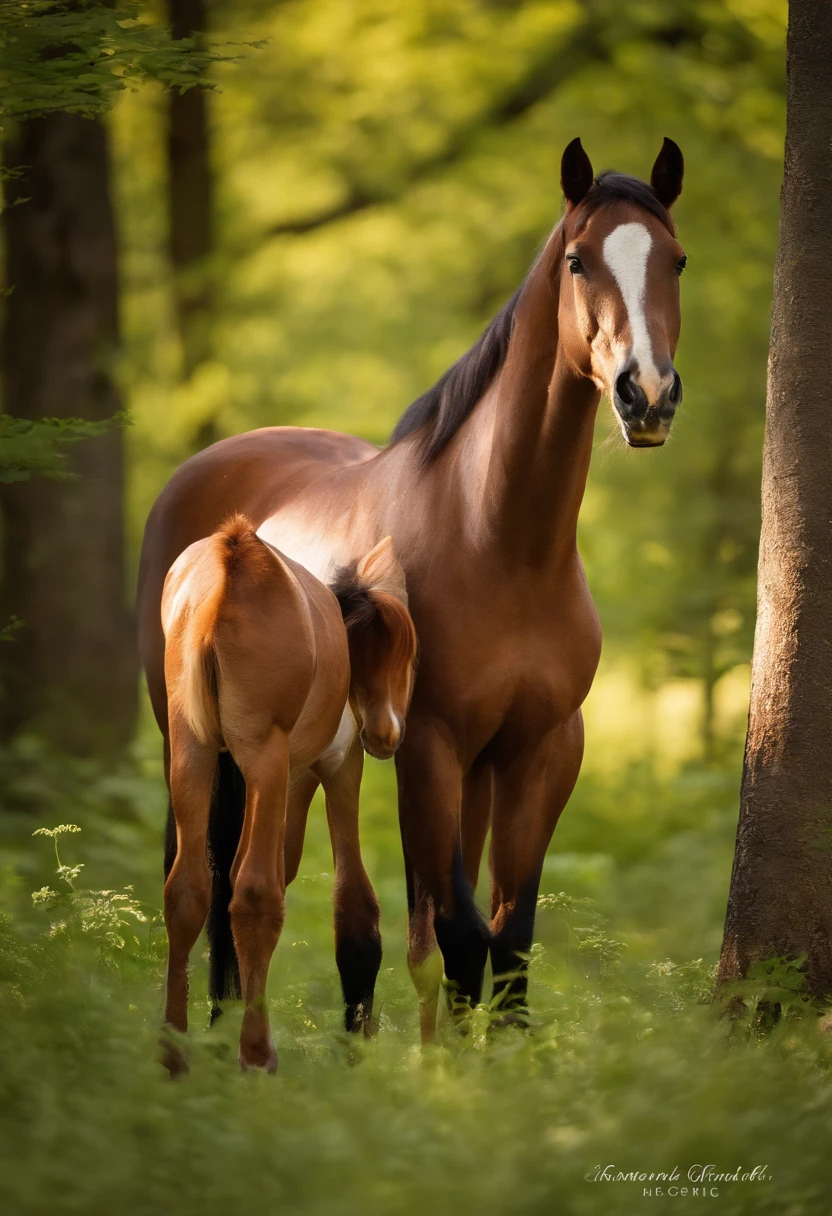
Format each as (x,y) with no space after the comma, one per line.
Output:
(258,1057)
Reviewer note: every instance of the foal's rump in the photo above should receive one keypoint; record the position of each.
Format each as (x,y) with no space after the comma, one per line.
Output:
(241,638)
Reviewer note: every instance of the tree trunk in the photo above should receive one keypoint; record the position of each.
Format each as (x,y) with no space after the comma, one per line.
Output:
(190,194)
(71,672)
(781,888)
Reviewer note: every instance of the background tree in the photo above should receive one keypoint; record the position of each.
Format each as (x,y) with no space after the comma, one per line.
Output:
(71,672)
(780,903)
(190,197)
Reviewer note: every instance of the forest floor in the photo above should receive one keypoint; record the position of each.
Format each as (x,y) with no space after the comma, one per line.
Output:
(626,1071)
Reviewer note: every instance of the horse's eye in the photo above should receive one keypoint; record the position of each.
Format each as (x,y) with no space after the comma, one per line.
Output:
(681,264)
(574,264)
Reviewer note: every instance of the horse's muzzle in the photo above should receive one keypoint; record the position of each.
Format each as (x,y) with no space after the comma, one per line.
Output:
(646,424)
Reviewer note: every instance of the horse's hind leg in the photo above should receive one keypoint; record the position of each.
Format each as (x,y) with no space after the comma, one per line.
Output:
(424,960)
(258,882)
(188,884)
(356,910)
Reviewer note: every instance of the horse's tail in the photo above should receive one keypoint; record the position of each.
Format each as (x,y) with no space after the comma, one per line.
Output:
(225,827)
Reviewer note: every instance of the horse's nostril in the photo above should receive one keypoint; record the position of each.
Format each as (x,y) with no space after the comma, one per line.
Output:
(675,394)
(630,396)
(625,389)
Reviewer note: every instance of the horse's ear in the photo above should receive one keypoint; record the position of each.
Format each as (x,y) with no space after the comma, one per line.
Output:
(381,570)
(667,174)
(576,174)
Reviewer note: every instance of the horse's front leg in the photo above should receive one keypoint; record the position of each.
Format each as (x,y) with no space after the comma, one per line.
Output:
(430,796)
(532,785)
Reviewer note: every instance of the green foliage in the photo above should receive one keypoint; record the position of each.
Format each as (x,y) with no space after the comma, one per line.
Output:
(677,986)
(586,924)
(777,985)
(77,56)
(36,447)
(103,915)
(8,631)
(628,1066)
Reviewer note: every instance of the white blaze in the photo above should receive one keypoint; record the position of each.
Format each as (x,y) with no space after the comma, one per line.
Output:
(626,251)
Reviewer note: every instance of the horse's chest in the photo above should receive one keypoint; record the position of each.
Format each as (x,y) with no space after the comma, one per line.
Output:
(532,661)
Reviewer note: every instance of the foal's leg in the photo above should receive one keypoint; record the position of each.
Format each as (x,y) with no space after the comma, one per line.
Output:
(530,791)
(258,902)
(430,796)
(301,792)
(188,884)
(357,936)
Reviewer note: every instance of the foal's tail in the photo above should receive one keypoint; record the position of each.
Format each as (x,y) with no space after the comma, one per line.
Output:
(230,550)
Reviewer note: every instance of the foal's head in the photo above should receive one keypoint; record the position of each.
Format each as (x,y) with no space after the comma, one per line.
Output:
(619,314)
(382,643)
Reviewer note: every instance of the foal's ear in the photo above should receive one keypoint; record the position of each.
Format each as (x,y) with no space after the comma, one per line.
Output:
(576,174)
(381,570)
(667,174)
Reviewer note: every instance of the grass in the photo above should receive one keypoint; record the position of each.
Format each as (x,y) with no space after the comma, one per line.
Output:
(625,1070)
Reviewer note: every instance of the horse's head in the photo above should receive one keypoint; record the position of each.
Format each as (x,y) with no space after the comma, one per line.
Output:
(382,645)
(619,316)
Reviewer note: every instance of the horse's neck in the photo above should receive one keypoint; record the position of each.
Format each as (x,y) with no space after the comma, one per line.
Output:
(532,441)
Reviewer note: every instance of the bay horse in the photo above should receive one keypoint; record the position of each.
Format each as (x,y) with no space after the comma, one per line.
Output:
(480,489)
(264,662)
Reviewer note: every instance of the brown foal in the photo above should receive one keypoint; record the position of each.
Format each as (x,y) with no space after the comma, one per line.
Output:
(264,662)
(480,489)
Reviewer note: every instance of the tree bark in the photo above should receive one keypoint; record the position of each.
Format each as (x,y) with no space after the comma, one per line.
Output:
(190,196)
(71,673)
(780,900)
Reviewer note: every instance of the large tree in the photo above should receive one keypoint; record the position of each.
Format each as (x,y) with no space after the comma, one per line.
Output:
(71,672)
(780,902)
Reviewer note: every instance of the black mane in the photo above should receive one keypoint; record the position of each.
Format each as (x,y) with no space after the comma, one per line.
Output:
(442,410)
